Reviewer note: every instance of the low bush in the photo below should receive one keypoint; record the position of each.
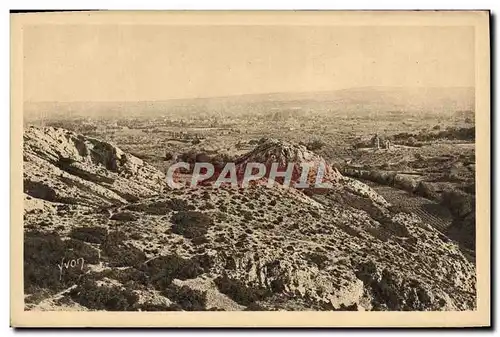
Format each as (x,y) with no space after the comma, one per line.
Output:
(102,297)
(83,250)
(459,203)
(426,190)
(164,269)
(188,299)
(121,254)
(161,207)
(159,307)
(89,234)
(315,145)
(318,259)
(255,307)
(43,252)
(399,209)
(240,292)
(191,224)
(179,205)
(124,216)
(135,278)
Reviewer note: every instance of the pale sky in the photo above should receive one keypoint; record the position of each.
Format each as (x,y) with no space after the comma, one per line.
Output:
(159,62)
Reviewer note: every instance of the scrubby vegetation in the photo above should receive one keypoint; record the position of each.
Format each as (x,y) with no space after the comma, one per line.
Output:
(191,224)
(240,292)
(318,259)
(104,297)
(161,207)
(315,145)
(124,216)
(89,234)
(459,203)
(42,254)
(463,208)
(417,139)
(120,253)
(188,299)
(451,133)
(162,270)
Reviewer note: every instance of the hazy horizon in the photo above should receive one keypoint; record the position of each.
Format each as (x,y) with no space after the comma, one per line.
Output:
(438,100)
(373,88)
(118,63)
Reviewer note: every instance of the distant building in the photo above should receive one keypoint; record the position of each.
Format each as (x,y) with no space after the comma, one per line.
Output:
(375,141)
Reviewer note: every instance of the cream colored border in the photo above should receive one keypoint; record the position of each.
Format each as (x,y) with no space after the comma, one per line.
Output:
(481,317)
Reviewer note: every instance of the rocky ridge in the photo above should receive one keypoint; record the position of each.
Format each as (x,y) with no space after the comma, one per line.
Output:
(62,166)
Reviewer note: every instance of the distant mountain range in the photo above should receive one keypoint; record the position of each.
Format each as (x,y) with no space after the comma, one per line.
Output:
(355,100)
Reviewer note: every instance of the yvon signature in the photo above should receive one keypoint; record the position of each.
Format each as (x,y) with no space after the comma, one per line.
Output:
(71,263)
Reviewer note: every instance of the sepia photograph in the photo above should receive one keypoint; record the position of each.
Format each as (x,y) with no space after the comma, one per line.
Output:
(294,163)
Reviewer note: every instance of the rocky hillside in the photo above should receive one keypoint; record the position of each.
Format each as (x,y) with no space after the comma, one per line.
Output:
(210,248)
(61,166)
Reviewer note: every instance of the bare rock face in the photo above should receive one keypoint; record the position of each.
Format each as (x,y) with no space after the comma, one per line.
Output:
(208,248)
(62,166)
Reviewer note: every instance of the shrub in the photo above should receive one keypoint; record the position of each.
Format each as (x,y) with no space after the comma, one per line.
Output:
(255,307)
(459,203)
(89,234)
(83,250)
(426,190)
(134,278)
(399,209)
(43,252)
(411,141)
(111,298)
(159,307)
(154,208)
(315,145)
(314,214)
(239,292)
(168,156)
(191,224)
(121,254)
(463,230)
(179,205)
(161,207)
(199,240)
(405,183)
(188,299)
(124,216)
(136,236)
(164,269)
(247,215)
(319,260)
